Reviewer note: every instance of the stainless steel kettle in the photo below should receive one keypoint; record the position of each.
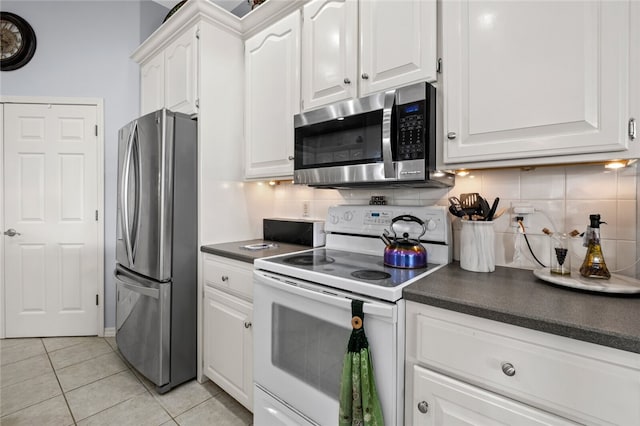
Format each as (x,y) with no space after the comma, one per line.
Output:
(405,252)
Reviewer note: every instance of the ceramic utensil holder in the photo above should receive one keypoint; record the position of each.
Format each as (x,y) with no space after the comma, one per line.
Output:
(477,248)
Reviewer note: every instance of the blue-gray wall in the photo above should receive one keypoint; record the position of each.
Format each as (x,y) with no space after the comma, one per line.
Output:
(83,51)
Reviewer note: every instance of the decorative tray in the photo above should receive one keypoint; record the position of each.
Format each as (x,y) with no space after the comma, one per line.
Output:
(619,284)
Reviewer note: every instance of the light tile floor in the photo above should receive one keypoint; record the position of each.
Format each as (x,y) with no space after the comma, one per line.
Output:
(84,381)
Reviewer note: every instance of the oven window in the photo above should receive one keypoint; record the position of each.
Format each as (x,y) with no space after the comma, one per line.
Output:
(355,139)
(309,348)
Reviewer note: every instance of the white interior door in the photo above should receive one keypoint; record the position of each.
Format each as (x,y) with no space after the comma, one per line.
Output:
(52,263)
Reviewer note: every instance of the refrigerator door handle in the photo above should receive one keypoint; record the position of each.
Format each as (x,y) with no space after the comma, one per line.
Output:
(137,164)
(146,291)
(124,196)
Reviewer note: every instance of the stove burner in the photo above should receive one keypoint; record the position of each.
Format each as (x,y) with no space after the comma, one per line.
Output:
(309,259)
(367,274)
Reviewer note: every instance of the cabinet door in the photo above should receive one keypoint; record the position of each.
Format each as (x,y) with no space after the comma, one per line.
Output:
(228,344)
(439,401)
(272,66)
(181,77)
(534,79)
(397,43)
(152,84)
(329,52)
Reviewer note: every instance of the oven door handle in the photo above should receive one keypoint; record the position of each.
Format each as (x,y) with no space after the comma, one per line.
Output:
(290,285)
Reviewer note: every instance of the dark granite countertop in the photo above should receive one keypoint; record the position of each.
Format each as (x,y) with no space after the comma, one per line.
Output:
(516,296)
(234,250)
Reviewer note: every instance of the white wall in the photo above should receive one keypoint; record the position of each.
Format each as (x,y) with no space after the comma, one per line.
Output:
(83,51)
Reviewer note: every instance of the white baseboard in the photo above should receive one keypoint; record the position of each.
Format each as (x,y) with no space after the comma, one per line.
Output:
(109,332)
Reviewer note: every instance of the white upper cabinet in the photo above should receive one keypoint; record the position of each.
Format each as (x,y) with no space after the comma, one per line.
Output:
(152,84)
(396,45)
(181,71)
(272,70)
(170,78)
(329,52)
(534,79)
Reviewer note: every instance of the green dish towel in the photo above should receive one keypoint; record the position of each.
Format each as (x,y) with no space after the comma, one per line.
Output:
(359,403)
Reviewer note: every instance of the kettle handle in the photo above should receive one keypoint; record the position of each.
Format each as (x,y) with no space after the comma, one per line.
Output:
(408,218)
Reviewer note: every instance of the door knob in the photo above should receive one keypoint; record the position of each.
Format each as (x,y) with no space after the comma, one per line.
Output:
(365,76)
(347,81)
(11,232)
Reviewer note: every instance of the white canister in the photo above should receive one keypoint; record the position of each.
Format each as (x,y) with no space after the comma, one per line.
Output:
(477,248)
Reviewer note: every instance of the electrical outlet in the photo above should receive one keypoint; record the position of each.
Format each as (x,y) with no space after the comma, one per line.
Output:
(520,210)
(305,209)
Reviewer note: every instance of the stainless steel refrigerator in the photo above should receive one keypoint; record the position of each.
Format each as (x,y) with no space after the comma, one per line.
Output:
(156,247)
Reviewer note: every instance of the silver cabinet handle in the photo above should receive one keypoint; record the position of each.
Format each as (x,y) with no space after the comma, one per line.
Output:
(508,369)
(225,278)
(11,232)
(247,324)
(365,76)
(452,135)
(347,81)
(291,158)
(423,407)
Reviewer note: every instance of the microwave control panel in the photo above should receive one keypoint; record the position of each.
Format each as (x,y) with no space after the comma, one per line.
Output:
(411,129)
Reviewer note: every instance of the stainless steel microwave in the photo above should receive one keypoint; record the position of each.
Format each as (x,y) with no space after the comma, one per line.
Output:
(385,139)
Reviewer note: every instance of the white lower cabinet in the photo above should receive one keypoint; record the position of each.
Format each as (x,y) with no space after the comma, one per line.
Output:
(227,327)
(440,400)
(465,370)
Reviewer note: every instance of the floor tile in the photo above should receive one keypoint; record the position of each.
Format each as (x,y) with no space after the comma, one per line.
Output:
(85,372)
(223,411)
(182,398)
(112,342)
(78,353)
(55,343)
(169,423)
(27,393)
(18,351)
(97,396)
(139,410)
(52,412)
(29,368)
(7,343)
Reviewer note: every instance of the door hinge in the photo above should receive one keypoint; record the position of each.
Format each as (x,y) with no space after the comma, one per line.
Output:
(96,215)
(198,33)
(632,128)
(96,129)
(198,103)
(97,300)
(439,66)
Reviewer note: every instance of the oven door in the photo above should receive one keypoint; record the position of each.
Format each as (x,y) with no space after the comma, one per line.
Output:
(346,143)
(301,332)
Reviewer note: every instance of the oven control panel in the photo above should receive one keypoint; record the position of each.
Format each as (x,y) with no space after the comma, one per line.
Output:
(373,220)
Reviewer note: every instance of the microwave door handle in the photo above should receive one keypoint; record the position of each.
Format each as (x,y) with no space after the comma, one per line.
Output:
(387,158)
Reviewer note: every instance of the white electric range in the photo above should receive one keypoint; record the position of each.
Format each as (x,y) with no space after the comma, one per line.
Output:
(302,313)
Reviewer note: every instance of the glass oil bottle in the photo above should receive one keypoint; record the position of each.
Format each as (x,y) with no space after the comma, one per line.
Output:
(594,265)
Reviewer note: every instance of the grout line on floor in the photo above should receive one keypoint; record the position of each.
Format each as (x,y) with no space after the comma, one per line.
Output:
(64,395)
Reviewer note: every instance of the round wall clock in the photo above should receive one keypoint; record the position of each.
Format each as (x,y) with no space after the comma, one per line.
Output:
(17,41)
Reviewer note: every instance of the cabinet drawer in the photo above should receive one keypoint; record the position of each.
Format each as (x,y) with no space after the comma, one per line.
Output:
(233,276)
(557,375)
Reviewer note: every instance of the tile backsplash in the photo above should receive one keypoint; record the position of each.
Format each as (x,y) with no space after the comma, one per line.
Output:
(563,197)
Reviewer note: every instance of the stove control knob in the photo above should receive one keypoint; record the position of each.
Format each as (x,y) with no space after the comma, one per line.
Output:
(334,219)
(348,216)
(431,224)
